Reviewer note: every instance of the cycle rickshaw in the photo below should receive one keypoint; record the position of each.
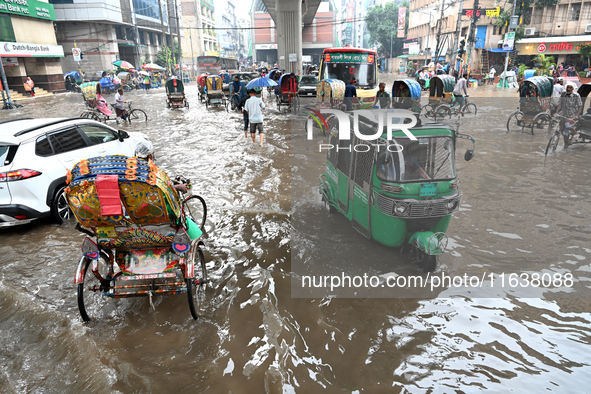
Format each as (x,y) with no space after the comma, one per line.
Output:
(406,94)
(441,89)
(288,95)
(175,93)
(201,86)
(330,94)
(92,112)
(534,101)
(582,125)
(143,239)
(214,94)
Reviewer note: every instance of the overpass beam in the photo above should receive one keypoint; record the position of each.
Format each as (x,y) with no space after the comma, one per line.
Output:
(288,18)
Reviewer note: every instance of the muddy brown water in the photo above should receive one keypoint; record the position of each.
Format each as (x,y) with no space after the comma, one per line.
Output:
(520,212)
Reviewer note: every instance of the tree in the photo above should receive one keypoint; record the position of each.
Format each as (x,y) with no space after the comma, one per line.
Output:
(545,62)
(382,24)
(585,51)
(164,56)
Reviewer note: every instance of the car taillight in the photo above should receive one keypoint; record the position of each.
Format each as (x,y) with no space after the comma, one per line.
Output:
(17,175)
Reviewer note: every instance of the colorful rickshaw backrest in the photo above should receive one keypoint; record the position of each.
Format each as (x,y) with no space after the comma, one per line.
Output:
(201,80)
(174,85)
(441,84)
(89,90)
(289,83)
(214,83)
(109,191)
(413,86)
(329,93)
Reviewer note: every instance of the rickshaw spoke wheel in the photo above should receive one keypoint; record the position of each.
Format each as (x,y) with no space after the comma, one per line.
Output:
(540,122)
(470,109)
(196,208)
(441,112)
(553,143)
(137,115)
(427,111)
(90,295)
(515,121)
(196,285)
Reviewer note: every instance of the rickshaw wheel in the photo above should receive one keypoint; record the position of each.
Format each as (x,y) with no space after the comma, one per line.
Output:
(470,109)
(541,121)
(197,284)
(553,143)
(87,297)
(515,119)
(441,112)
(427,111)
(196,208)
(137,115)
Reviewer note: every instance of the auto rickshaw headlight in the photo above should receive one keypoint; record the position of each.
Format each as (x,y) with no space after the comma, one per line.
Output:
(452,205)
(401,209)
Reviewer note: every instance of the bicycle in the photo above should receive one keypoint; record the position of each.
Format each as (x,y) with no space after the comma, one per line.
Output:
(442,110)
(556,128)
(134,114)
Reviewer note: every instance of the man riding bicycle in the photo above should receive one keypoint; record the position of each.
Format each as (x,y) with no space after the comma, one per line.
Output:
(570,107)
(237,89)
(461,91)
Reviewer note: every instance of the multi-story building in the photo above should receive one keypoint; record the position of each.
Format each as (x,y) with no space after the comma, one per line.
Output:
(243,39)
(193,38)
(210,40)
(225,18)
(316,36)
(131,30)
(352,29)
(28,46)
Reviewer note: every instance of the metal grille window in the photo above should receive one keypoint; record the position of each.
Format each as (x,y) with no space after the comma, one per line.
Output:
(344,157)
(574,12)
(364,165)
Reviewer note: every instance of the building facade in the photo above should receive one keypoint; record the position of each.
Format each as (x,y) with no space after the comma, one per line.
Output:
(227,32)
(28,46)
(131,30)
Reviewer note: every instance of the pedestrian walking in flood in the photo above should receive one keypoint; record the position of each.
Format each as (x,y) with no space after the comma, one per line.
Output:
(254,108)
(31,85)
(241,105)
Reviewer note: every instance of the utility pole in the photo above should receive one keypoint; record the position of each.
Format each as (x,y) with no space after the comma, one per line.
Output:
(437,48)
(7,104)
(178,35)
(507,55)
(471,36)
(172,71)
(454,52)
(161,24)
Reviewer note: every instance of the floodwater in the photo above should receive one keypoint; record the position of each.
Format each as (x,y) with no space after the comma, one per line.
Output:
(520,212)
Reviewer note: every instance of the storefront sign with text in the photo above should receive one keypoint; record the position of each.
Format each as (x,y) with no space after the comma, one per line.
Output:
(560,46)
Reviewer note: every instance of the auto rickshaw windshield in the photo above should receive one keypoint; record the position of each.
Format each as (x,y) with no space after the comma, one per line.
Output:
(405,160)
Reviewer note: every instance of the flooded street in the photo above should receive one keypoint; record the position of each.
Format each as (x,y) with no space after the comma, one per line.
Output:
(520,212)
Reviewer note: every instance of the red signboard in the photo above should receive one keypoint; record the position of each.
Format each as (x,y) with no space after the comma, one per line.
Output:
(541,47)
(559,46)
(350,11)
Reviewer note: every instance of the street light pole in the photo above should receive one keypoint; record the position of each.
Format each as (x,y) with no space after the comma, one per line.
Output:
(428,34)
(390,62)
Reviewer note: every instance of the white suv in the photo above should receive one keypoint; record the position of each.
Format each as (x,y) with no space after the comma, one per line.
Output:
(35,155)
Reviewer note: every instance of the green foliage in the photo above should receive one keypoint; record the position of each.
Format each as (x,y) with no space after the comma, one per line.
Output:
(545,62)
(585,51)
(164,56)
(522,68)
(382,24)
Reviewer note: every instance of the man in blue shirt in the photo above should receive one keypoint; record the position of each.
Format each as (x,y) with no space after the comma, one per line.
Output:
(237,88)
(350,92)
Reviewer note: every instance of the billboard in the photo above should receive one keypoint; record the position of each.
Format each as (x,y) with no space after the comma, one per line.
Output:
(401,21)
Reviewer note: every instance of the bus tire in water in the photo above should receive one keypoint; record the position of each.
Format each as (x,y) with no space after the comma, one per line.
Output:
(197,283)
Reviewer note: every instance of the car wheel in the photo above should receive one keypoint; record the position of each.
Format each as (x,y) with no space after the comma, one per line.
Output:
(60,211)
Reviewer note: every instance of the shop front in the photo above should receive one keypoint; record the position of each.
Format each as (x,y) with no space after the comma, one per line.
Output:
(562,49)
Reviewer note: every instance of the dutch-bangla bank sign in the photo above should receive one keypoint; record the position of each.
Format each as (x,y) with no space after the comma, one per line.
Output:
(18,49)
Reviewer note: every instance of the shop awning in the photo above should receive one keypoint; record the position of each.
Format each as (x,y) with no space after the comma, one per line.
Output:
(498,50)
(402,57)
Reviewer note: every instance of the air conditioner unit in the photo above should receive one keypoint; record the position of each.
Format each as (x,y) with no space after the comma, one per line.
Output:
(588,29)
(530,31)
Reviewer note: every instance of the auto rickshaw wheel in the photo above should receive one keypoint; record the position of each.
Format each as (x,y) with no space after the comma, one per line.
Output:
(553,143)
(90,291)
(428,262)
(196,285)
(515,120)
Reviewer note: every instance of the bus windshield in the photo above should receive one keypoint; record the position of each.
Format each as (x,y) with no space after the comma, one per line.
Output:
(346,66)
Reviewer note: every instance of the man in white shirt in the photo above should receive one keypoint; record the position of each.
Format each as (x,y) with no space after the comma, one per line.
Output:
(556,93)
(491,76)
(254,108)
(119,107)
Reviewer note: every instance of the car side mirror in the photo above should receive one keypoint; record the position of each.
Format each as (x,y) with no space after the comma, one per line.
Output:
(122,135)
(469,155)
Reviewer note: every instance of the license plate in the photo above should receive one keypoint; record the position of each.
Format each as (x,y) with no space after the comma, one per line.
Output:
(309,93)
(428,190)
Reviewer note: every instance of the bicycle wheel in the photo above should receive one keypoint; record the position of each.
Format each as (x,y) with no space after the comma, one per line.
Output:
(137,115)
(441,112)
(196,284)
(470,109)
(427,111)
(540,122)
(515,121)
(196,208)
(90,297)
(553,143)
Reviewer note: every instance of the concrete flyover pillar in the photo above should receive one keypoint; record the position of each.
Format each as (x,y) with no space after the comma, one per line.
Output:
(288,18)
